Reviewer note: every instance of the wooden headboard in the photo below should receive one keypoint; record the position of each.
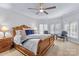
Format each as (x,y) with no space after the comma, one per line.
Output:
(19,28)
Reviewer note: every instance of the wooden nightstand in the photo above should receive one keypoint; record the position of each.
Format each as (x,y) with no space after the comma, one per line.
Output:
(5,44)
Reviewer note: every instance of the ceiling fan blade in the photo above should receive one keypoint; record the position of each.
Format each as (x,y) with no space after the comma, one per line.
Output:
(45,12)
(33,8)
(50,8)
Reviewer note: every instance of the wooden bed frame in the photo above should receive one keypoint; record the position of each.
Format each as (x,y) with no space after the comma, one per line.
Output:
(43,45)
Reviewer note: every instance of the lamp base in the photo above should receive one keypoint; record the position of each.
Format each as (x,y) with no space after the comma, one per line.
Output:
(4,35)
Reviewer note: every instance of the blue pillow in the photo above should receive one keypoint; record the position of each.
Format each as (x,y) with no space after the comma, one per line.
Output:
(28,32)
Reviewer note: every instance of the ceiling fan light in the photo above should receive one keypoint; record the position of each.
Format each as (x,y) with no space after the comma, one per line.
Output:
(41,10)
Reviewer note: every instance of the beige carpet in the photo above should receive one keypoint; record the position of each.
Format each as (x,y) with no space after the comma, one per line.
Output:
(60,49)
(12,52)
(63,49)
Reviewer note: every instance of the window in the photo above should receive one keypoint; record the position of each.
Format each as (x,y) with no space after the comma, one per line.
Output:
(74,30)
(42,28)
(52,29)
(67,28)
(57,28)
(45,27)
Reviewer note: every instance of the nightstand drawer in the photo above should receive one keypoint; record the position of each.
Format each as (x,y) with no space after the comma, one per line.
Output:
(5,44)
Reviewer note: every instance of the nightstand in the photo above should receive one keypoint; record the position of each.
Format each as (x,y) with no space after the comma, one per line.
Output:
(5,44)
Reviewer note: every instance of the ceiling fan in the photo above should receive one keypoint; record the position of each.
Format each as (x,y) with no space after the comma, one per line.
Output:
(41,9)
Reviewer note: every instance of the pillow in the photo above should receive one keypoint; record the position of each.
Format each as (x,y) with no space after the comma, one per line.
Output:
(17,39)
(23,34)
(28,32)
(18,32)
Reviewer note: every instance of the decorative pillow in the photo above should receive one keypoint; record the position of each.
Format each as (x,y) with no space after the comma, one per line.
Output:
(28,32)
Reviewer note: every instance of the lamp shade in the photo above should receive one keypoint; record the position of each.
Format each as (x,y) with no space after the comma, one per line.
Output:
(4,28)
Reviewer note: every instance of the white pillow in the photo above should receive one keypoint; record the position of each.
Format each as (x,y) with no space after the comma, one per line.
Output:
(18,32)
(17,39)
(23,34)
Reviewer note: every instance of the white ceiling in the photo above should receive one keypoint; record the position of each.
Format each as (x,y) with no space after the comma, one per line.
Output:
(22,8)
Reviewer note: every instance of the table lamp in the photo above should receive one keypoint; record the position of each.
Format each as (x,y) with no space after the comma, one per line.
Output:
(4,29)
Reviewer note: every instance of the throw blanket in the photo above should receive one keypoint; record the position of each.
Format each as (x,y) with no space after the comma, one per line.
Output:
(32,45)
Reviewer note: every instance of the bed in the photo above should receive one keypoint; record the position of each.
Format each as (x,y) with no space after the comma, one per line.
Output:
(43,44)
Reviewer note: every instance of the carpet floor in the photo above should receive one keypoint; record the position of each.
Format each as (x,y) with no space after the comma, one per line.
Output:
(60,49)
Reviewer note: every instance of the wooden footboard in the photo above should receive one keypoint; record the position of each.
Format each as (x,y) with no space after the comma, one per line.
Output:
(23,50)
(43,46)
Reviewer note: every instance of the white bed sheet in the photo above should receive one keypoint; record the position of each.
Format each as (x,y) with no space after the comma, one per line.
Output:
(32,45)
